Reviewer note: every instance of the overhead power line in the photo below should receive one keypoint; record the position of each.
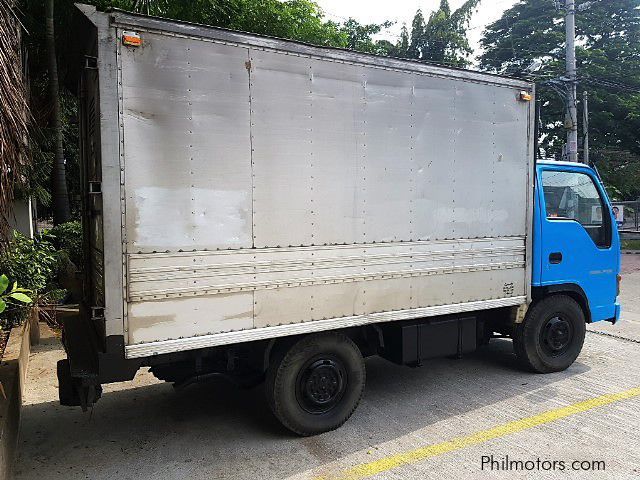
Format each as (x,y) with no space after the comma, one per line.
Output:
(610,84)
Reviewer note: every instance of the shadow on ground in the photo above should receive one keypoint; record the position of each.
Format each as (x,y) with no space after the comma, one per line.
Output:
(152,431)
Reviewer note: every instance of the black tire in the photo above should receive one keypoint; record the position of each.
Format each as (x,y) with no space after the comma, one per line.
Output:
(551,336)
(315,385)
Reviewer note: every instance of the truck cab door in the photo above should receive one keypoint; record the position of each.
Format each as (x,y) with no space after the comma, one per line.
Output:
(576,239)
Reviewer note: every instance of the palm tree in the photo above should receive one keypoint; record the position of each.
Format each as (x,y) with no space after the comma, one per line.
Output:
(61,212)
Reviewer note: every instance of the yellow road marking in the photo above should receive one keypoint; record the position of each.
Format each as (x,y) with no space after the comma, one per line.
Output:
(387,463)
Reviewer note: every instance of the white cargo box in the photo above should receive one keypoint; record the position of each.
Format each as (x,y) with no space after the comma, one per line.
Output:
(253,188)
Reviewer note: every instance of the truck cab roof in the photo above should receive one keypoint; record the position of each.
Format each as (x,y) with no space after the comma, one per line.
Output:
(557,163)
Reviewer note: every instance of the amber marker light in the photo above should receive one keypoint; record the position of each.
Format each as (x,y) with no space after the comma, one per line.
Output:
(525,96)
(131,39)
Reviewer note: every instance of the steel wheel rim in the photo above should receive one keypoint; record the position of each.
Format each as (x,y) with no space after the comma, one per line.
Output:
(321,384)
(556,336)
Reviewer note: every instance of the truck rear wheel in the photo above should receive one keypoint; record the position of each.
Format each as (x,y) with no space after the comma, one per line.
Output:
(315,385)
(551,336)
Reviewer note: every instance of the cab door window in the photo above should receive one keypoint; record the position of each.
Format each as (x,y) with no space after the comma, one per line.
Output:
(574,196)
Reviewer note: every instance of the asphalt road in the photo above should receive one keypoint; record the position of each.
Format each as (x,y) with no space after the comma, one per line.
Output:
(439,421)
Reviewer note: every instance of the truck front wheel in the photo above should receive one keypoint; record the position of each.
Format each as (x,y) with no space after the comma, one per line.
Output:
(551,336)
(315,385)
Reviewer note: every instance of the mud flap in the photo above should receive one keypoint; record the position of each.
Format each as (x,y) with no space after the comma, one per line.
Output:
(79,384)
(73,391)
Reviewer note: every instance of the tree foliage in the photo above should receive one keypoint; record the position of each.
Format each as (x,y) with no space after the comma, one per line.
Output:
(360,37)
(301,20)
(531,31)
(440,39)
(293,19)
(29,263)
(528,41)
(59,190)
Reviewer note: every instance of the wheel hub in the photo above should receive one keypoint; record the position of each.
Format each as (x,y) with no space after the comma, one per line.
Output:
(556,335)
(321,385)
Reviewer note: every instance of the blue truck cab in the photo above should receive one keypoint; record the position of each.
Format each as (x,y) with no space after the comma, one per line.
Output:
(576,245)
(575,266)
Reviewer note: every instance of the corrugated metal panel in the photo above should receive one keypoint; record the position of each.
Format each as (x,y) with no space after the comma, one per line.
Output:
(226,338)
(300,284)
(172,275)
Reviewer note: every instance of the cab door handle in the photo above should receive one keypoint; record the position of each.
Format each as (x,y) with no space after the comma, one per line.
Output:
(555,257)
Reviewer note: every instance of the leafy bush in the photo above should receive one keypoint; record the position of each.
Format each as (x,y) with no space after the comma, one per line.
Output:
(631,244)
(68,239)
(32,263)
(15,297)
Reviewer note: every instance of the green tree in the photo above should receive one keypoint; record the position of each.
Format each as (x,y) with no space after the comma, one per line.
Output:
(301,20)
(416,37)
(293,19)
(528,41)
(61,210)
(360,37)
(53,115)
(402,47)
(440,39)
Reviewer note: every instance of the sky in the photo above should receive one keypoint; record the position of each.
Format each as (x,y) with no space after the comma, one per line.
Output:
(402,11)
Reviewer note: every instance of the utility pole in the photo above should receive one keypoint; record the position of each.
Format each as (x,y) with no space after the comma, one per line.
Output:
(585,127)
(571,120)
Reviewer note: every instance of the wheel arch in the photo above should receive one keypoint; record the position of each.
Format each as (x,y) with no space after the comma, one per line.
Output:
(367,338)
(572,290)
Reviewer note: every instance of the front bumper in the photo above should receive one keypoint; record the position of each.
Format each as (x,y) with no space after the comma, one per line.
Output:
(617,314)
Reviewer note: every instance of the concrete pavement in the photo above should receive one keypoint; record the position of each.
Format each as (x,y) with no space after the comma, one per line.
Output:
(630,287)
(145,430)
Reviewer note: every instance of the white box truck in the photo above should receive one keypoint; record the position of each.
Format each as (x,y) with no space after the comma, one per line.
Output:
(263,209)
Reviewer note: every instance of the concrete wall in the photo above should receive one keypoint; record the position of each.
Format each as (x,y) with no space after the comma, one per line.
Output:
(13,372)
(23,217)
